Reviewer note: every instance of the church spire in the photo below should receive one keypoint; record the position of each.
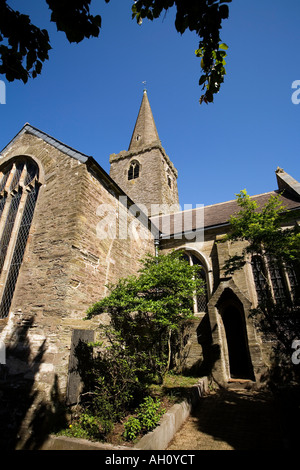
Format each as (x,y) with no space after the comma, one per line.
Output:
(145,172)
(145,131)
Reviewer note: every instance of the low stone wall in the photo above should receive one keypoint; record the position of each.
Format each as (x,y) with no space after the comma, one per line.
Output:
(170,423)
(158,439)
(72,443)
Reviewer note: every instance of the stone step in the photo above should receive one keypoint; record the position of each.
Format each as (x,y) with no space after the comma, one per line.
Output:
(240,384)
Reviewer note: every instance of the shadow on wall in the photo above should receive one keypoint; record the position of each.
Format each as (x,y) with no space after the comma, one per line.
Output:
(25,418)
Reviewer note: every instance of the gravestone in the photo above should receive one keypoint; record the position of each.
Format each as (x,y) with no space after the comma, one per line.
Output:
(75,383)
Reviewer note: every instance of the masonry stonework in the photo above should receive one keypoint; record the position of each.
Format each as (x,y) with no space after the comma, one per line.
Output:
(67,263)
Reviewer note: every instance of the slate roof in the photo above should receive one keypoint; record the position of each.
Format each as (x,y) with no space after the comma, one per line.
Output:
(28,128)
(215,215)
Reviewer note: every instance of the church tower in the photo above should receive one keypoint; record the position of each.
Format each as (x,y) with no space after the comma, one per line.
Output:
(144,171)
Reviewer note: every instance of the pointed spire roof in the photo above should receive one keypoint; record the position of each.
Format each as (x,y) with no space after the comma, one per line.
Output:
(145,131)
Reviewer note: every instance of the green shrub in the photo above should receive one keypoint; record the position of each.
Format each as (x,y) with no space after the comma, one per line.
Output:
(87,426)
(95,426)
(149,413)
(114,384)
(147,312)
(132,428)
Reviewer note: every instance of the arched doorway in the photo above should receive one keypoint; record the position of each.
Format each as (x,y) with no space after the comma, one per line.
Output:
(233,319)
(237,344)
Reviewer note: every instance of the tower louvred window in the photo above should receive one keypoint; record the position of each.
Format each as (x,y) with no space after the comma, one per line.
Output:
(19,188)
(134,170)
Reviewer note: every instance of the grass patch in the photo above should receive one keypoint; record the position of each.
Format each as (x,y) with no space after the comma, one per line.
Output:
(175,388)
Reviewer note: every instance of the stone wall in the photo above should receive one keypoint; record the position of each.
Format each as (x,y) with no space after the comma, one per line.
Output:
(67,263)
(152,186)
(210,353)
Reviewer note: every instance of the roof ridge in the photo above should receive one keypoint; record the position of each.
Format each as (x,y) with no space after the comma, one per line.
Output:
(216,204)
(67,149)
(234,200)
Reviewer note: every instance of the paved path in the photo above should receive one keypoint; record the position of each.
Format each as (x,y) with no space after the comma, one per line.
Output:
(232,420)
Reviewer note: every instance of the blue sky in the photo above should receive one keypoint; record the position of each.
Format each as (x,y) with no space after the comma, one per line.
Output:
(88,95)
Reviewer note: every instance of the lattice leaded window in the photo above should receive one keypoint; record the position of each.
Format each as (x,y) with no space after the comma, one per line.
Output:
(278,281)
(272,278)
(18,193)
(260,279)
(200,300)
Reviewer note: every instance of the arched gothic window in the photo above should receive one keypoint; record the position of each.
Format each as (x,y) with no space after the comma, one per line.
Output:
(200,301)
(19,188)
(134,170)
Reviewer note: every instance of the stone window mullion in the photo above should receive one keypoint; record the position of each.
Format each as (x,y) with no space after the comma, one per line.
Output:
(10,178)
(19,187)
(290,280)
(5,203)
(11,245)
(7,224)
(272,279)
(197,300)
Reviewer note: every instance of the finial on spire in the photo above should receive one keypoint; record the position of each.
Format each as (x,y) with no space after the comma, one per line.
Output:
(144,83)
(145,132)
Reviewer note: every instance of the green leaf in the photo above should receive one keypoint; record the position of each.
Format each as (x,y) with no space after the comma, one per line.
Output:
(223,46)
(202,79)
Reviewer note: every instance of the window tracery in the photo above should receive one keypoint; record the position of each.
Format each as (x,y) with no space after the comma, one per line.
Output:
(19,186)
(200,300)
(273,279)
(134,170)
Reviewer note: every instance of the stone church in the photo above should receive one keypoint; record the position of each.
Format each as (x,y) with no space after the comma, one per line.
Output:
(67,229)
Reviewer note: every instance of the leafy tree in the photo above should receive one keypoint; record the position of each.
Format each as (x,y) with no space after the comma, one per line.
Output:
(148,310)
(267,233)
(115,380)
(261,228)
(24,47)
